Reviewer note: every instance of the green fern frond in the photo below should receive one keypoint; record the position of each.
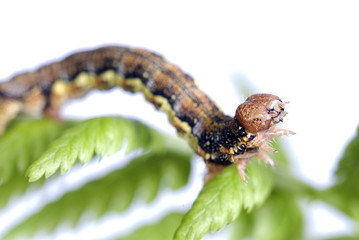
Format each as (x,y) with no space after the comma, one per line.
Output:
(161,230)
(263,222)
(344,195)
(348,166)
(223,198)
(341,238)
(142,178)
(269,222)
(23,142)
(99,136)
(16,185)
(270,216)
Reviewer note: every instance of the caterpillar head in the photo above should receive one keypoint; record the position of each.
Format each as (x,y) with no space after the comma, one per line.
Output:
(260,112)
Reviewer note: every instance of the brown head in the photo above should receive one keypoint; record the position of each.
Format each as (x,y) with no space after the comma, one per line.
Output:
(260,112)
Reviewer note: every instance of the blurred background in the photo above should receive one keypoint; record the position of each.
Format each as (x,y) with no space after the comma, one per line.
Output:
(306,52)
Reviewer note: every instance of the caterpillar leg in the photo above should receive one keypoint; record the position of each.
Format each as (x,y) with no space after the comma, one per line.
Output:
(213,170)
(240,162)
(31,104)
(260,143)
(262,139)
(9,109)
(241,167)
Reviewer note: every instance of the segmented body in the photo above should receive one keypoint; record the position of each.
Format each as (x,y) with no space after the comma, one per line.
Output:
(212,134)
(193,113)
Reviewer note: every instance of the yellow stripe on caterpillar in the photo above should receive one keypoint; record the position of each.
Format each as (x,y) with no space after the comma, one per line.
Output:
(219,139)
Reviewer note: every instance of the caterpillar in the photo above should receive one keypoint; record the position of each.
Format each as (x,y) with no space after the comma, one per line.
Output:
(219,139)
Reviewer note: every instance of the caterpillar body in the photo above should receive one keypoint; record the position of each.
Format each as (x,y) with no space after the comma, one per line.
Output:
(219,139)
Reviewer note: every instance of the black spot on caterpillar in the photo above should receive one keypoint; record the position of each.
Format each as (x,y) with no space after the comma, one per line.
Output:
(219,139)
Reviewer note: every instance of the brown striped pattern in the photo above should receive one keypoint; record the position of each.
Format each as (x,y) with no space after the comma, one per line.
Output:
(213,135)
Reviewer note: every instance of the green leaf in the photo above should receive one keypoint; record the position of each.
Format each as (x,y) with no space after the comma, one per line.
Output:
(348,167)
(279,218)
(142,178)
(242,228)
(343,238)
(281,209)
(23,142)
(102,136)
(344,195)
(17,185)
(162,230)
(223,198)
(286,181)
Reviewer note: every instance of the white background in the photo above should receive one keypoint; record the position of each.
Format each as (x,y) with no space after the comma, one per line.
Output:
(306,52)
